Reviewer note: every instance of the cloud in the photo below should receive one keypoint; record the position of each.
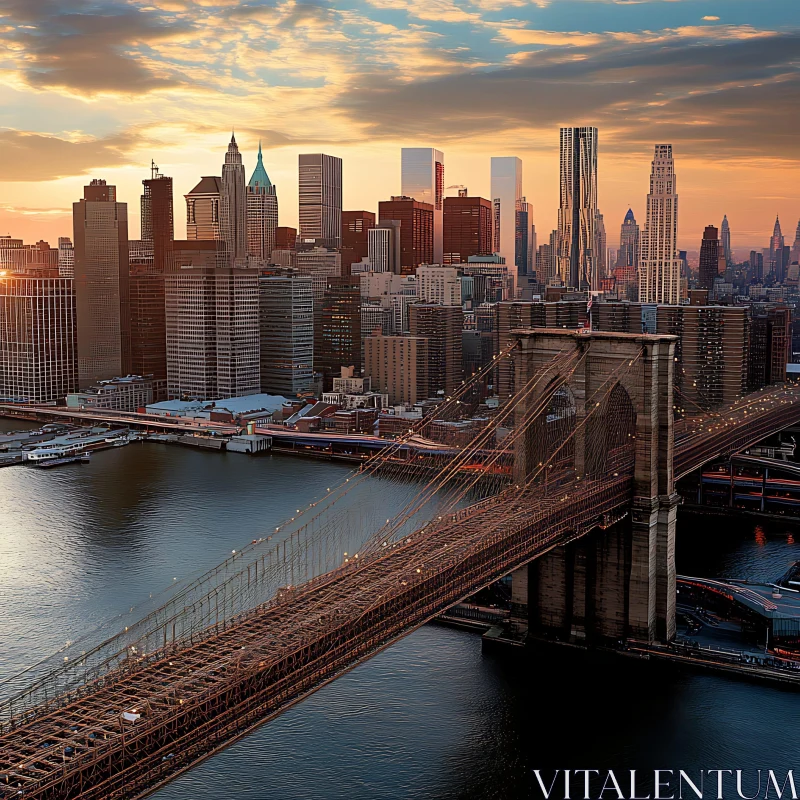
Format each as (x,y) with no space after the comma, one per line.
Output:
(430,10)
(524,36)
(711,19)
(85,48)
(735,93)
(36,157)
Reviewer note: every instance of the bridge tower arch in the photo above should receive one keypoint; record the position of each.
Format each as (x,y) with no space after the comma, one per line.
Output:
(628,587)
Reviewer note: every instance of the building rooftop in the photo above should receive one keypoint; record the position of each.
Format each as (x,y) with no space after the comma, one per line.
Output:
(209,184)
(236,405)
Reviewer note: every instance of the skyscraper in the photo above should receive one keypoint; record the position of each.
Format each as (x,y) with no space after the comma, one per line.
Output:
(725,237)
(776,254)
(100,227)
(422,178)
(262,213)
(522,238)
(756,265)
(340,329)
(148,266)
(442,326)
(794,256)
(600,247)
(320,200)
(467,228)
(356,226)
(660,272)
(506,190)
(287,334)
(37,337)
(629,242)
(233,205)
(577,213)
(626,268)
(710,254)
(212,323)
(416,230)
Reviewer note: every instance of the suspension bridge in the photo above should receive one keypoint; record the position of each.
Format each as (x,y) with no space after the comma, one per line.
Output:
(586,440)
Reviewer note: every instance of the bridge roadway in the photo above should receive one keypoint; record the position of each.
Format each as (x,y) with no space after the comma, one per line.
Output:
(195,700)
(756,416)
(198,699)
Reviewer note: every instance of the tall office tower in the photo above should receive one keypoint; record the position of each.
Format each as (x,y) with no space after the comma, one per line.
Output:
(416,230)
(356,226)
(442,327)
(233,205)
(725,237)
(522,234)
(320,200)
(383,247)
(440,285)
(212,323)
(506,189)
(629,242)
(422,178)
(66,257)
(238,334)
(757,265)
(776,256)
(203,209)
(577,213)
(100,233)
(38,347)
(600,247)
(710,253)
(660,270)
(545,263)
(287,334)
(794,256)
(149,260)
(398,365)
(262,213)
(340,329)
(626,266)
(468,228)
(158,224)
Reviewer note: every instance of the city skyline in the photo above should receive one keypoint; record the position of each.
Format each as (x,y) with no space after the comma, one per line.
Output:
(361,81)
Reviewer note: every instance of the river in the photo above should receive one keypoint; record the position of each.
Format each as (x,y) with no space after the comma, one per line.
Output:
(430,717)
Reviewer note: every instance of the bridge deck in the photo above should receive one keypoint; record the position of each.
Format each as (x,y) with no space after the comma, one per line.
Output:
(197,698)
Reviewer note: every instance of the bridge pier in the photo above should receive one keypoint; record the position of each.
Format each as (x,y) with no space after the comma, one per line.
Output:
(620,582)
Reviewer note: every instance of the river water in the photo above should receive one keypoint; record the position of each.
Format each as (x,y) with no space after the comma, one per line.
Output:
(430,717)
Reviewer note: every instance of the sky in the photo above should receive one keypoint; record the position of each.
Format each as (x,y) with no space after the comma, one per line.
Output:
(98,88)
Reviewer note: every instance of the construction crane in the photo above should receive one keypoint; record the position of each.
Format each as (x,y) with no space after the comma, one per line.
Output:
(462,190)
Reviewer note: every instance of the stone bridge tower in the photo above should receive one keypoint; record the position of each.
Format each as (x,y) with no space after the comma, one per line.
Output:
(620,582)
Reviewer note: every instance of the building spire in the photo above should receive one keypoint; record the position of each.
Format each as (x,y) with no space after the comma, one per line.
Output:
(260,179)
